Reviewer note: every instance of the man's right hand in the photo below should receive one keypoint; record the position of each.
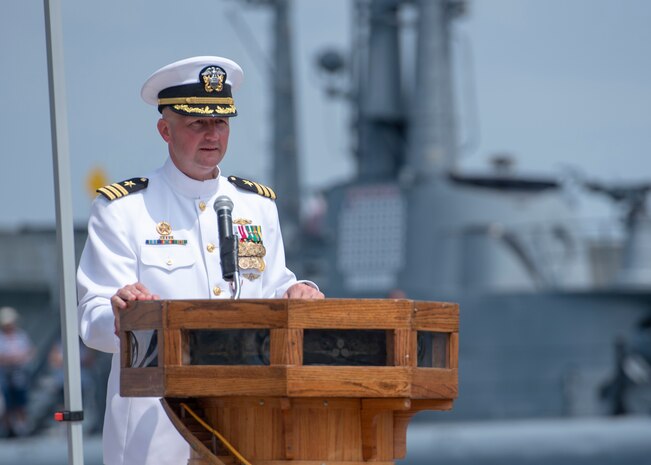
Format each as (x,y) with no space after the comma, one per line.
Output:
(130,292)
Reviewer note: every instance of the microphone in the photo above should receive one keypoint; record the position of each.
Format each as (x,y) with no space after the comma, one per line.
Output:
(227,240)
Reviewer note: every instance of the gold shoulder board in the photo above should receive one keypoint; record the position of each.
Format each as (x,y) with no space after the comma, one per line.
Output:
(122,189)
(253,187)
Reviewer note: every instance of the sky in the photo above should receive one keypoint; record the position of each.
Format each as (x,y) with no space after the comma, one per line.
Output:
(560,85)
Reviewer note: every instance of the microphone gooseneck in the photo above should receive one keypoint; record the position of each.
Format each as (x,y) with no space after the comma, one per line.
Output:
(227,240)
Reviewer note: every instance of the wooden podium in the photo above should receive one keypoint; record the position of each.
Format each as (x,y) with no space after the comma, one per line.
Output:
(311,382)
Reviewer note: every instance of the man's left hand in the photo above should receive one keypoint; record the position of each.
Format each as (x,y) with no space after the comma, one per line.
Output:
(303,291)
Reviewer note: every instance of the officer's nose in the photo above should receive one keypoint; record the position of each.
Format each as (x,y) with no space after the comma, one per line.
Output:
(212,131)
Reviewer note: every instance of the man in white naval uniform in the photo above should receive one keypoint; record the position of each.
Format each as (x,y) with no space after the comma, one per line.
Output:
(157,237)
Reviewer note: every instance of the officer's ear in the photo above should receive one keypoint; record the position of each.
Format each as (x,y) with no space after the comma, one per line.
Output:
(164,129)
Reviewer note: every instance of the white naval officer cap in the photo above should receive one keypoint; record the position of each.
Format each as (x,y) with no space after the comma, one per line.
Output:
(197,86)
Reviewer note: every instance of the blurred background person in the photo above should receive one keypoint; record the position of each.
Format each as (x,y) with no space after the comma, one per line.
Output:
(55,384)
(16,351)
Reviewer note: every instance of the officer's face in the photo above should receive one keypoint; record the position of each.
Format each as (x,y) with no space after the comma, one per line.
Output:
(196,144)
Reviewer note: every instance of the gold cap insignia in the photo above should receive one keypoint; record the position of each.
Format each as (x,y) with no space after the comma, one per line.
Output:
(213,78)
(251,276)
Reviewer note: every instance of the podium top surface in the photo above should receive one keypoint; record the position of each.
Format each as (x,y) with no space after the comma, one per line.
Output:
(292,314)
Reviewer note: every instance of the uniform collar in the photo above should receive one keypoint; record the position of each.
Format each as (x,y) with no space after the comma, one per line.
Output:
(187,186)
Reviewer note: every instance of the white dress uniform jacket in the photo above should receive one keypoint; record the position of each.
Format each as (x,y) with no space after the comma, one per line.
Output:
(137,430)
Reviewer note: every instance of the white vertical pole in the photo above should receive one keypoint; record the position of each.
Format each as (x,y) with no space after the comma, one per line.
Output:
(64,222)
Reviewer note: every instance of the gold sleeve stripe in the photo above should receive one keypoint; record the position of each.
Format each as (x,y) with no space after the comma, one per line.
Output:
(116,192)
(107,193)
(273,194)
(257,186)
(122,190)
(265,190)
(196,101)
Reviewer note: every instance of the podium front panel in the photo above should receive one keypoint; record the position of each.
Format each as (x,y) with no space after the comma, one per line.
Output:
(368,348)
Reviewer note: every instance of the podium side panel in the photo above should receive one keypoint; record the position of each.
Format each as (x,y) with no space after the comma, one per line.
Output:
(255,430)
(453,350)
(377,434)
(349,314)
(142,382)
(342,381)
(227,314)
(286,347)
(405,348)
(434,383)
(172,348)
(220,381)
(436,316)
(142,315)
(325,430)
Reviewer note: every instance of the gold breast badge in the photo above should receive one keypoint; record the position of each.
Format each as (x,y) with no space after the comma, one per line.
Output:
(251,251)
(164,229)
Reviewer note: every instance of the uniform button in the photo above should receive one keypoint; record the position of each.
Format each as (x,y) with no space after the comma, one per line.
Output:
(217,290)
(169,262)
(210,248)
(202,205)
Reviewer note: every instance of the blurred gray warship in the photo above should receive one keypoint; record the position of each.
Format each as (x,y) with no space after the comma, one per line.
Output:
(555,308)
(551,305)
